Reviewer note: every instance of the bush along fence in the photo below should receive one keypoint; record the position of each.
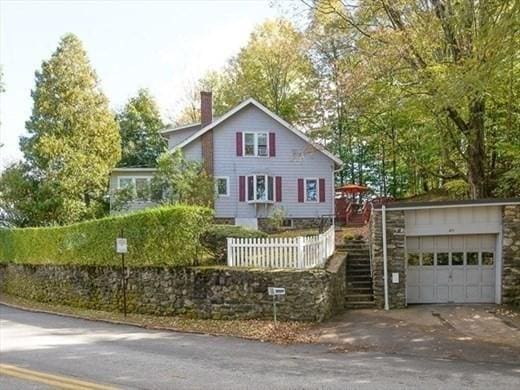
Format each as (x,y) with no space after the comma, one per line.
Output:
(159,236)
(281,252)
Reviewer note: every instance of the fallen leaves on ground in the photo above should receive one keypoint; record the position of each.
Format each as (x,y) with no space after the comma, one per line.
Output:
(286,332)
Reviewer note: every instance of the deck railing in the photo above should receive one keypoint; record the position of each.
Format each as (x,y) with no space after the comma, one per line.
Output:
(281,252)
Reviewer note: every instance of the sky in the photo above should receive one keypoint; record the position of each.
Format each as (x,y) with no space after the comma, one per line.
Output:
(164,46)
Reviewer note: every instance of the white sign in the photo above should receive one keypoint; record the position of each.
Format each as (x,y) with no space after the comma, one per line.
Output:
(395,277)
(121,245)
(276,290)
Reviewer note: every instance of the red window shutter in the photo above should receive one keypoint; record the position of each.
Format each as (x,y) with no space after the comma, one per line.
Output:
(239,144)
(272,144)
(322,190)
(241,188)
(278,185)
(300,190)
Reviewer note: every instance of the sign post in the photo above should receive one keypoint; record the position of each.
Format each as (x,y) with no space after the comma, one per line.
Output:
(122,248)
(274,292)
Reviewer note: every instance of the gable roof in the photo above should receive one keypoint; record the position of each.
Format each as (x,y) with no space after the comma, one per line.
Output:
(261,107)
(169,129)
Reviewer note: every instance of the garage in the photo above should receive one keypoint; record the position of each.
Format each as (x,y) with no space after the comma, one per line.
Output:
(451,254)
(451,251)
(451,269)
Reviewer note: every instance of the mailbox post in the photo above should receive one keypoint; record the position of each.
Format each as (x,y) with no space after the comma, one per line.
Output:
(122,248)
(274,292)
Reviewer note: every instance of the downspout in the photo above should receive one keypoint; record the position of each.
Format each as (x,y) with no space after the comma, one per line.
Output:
(385,256)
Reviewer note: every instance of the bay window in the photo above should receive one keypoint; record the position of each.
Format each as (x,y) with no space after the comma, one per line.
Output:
(260,188)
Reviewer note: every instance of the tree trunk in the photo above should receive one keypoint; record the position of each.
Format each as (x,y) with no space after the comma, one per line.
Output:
(476,150)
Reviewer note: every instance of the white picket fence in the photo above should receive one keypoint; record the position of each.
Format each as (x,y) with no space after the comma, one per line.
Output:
(281,252)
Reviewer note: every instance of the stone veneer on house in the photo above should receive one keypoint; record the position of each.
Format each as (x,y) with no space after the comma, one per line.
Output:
(395,239)
(511,255)
(197,292)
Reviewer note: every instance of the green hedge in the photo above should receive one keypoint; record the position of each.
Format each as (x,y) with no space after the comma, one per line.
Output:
(214,239)
(158,236)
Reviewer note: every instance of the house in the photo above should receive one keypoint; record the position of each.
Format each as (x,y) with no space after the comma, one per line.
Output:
(260,163)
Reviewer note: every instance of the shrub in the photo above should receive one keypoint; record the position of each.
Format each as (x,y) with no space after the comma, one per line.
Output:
(214,238)
(158,236)
(274,222)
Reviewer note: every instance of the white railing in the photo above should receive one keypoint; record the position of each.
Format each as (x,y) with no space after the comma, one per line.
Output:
(281,252)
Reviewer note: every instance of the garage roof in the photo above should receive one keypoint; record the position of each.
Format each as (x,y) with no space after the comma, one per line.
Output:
(451,203)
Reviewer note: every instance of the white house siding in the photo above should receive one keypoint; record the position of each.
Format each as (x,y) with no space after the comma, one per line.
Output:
(294,159)
(193,151)
(177,136)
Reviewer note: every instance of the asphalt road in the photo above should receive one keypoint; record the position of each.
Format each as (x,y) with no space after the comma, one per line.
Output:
(133,358)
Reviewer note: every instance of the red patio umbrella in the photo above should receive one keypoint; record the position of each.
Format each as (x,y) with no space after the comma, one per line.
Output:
(352,189)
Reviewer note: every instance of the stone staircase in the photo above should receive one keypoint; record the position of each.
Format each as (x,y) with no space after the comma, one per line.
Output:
(359,292)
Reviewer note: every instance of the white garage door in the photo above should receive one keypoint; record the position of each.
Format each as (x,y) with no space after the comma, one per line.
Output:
(457,269)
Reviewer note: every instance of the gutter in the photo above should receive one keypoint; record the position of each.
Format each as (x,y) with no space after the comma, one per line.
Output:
(385,256)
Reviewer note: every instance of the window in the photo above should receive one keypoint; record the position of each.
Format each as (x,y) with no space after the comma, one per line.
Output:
(287,223)
(256,144)
(249,144)
(261,144)
(222,187)
(139,185)
(311,190)
(260,188)
(488,258)
(443,258)
(427,259)
(457,258)
(413,259)
(142,188)
(126,182)
(472,258)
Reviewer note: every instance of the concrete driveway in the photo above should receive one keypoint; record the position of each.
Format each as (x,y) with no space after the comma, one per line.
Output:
(484,333)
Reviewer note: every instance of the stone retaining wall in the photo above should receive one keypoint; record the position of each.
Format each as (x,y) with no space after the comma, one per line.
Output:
(511,255)
(197,292)
(395,238)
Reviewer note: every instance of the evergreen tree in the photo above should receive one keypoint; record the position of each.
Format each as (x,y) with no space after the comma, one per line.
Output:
(73,141)
(140,123)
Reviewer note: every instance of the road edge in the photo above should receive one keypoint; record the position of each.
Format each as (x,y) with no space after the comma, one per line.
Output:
(126,323)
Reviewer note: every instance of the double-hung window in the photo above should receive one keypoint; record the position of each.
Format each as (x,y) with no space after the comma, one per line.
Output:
(311,190)
(222,186)
(260,188)
(256,144)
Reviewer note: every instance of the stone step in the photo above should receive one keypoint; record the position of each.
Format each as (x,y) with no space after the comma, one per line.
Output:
(359,278)
(358,270)
(359,298)
(355,261)
(365,289)
(363,286)
(359,291)
(357,254)
(360,305)
(367,281)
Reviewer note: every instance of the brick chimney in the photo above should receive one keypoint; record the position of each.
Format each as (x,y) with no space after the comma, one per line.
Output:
(206,117)
(206,108)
